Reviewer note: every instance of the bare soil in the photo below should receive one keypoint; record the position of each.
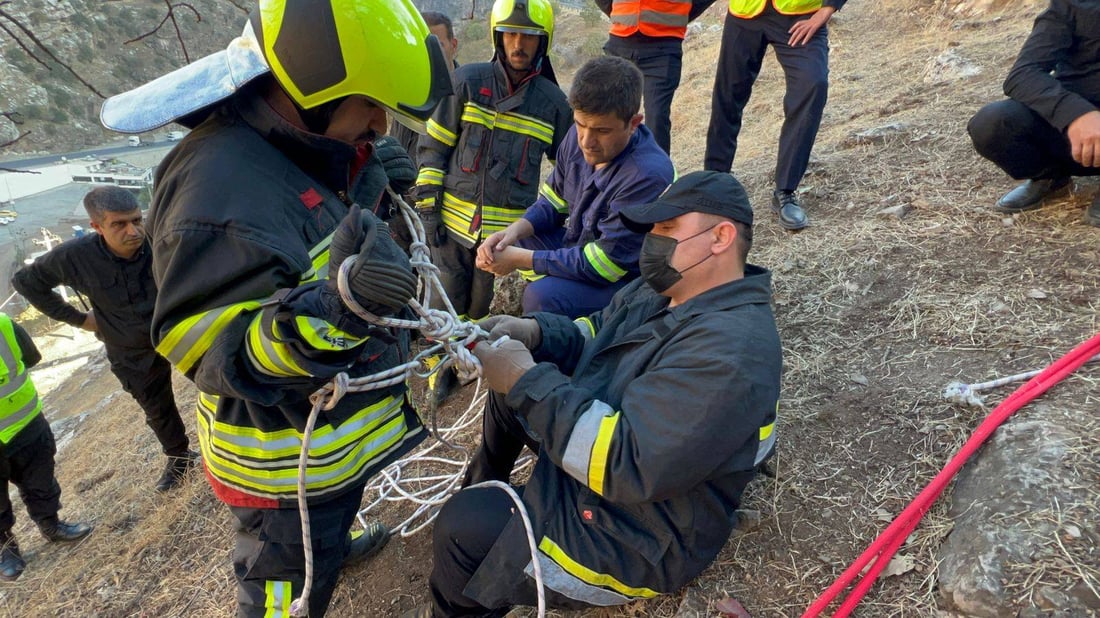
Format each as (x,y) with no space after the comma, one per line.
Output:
(877,314)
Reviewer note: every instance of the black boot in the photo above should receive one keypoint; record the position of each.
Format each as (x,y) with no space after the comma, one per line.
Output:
(1092,215)
(1031,194)
(56,530)
(176,468)
(11,561)
(366,543)
(787,206)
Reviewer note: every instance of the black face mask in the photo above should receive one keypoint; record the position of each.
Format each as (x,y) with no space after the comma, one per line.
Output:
(655,260)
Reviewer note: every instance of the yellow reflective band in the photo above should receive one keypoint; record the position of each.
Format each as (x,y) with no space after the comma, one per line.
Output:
(441,133)
(278,596)
(321,335)
(529,275)
(588,329)
(526,125)
(766,431)
(187,341)
(429,176)
(597,465)
(474,113)
(559,204)
(604,265)
(270,356)
(587,575)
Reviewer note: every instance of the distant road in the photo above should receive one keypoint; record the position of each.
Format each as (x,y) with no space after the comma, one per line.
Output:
(95,152)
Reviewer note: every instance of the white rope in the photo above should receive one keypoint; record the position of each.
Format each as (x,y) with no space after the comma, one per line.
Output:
(967,394)
(452,339)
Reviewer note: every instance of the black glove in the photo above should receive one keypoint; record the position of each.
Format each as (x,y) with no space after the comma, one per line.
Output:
(381,280)
(397,163)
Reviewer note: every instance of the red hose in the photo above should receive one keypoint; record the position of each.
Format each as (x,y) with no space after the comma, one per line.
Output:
(882,549)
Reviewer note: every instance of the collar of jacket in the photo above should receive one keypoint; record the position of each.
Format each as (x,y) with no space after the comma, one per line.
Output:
(545,69)
(140,253)
(602,177)
(752,289)
(323,158)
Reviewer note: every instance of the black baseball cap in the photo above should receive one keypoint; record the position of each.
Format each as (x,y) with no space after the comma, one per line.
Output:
(717,193)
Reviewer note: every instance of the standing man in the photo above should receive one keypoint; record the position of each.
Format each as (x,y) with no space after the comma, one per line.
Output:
(628,501)
(796,30)
(650,33)
(573,238)
(254,212)
(26,455)
(1048,130)
(114,270)
(480,159)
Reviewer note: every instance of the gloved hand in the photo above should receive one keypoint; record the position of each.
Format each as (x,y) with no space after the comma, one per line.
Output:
(523,330)
(503,365)
(435,233)
(381,280)
(397,163)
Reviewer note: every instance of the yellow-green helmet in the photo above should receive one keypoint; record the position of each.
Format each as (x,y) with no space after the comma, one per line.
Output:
(523,16)
(323,50)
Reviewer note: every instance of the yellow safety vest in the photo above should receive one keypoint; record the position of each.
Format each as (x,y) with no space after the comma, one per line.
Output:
(747,9)
(19,402)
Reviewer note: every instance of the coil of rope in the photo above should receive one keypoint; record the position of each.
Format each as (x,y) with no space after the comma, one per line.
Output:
(452,338)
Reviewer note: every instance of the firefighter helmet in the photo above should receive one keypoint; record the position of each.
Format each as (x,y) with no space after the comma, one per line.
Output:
(523,16)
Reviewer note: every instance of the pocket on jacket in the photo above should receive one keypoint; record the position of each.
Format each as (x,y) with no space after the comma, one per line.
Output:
(470,147)
(629,529)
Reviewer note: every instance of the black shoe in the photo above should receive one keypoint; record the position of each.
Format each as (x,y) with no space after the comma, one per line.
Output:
(1030,195)
(791,215)
(1092,214)
(11,561)
(366,543)
(60,531)
(176,468)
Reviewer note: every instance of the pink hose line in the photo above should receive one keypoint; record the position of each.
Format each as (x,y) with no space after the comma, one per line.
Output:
(882,549)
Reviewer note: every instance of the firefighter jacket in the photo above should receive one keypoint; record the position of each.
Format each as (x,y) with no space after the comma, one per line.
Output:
(481,157)
(652,18)
(242,216)
(651,421)
(19,403)
(597,247)
(747,9)
(121,290)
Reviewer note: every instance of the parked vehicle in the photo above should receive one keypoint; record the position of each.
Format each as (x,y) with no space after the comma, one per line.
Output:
(175,136)
(133,141)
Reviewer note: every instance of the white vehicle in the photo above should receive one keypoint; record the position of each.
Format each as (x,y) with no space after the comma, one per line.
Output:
(133,141)
(175,136)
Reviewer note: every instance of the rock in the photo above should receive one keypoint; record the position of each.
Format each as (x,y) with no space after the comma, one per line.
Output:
(508,295)
(694,604)
(1025,467)
(897,212)
(877,135)
(949,66)
(747,520)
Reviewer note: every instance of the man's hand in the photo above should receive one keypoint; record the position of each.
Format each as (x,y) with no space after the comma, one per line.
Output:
(397,163)
(506,261)
(381,279)
(90,323)
(1084,138)
(802,31)
(523,330)
(503,364)
(435,233)
(499,241)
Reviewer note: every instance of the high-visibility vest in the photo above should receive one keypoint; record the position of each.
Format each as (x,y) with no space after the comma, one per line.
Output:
(667,18)
(19,402)
(747,9)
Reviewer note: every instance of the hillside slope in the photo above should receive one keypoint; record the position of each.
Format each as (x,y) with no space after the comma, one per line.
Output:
(877,315)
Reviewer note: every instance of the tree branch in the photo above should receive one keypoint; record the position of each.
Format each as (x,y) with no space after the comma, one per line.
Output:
(171,15)
(41,46)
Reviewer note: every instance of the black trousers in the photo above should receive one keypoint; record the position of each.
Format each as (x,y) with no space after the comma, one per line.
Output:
(472,521)
(147,376)
(469,288)
(28,461)
(269,557)
(806,70)
(1023,143)
(660,61)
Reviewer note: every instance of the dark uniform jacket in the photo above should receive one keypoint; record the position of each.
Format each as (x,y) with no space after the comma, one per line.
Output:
(245,206)
(121,290)
(651,422)
(1065,41)
(482,154)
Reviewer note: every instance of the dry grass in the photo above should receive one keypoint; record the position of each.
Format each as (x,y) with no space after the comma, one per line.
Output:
(876,314)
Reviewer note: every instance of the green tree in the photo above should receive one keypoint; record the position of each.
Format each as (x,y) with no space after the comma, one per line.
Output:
(591,15)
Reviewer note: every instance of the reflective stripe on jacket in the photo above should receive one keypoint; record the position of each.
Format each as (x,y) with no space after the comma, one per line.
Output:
(747,9)
(484,147)
(664,18)
(240,231)
(652,420)
(19,402)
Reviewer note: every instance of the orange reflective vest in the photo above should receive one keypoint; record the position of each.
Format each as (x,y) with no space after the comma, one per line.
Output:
(668,18)
(747,9)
